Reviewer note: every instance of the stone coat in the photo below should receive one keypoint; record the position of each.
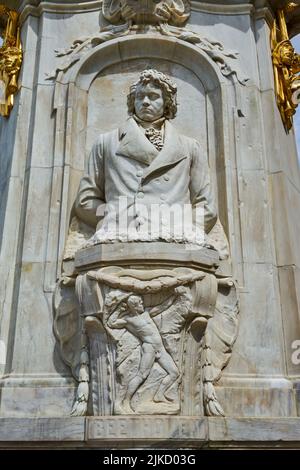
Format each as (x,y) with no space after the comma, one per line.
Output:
(123,163)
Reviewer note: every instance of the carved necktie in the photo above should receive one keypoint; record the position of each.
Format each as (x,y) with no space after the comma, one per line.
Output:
(155,137)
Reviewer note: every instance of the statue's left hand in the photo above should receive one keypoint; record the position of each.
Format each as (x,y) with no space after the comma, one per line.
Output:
(163,11)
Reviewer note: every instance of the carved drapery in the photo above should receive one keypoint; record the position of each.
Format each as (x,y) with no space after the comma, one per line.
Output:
(286,63)
(10,58)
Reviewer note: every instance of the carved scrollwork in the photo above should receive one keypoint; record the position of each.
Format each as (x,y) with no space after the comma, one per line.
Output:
(10,58)
(175,12)
(286,64)
(132,17)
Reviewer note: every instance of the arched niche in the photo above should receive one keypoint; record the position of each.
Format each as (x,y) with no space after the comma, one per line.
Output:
(108,95)
(91,98)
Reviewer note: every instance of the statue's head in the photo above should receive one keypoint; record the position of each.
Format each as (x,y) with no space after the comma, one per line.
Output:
(135,304)
(11,60)
(152,97)
(284,53)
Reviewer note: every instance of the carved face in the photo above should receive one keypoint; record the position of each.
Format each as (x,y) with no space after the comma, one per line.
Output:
(149,102)
(287,54)
(135,304)
(10,60)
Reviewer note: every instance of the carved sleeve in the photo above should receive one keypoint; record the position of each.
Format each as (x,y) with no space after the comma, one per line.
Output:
(91,189)
(200,188)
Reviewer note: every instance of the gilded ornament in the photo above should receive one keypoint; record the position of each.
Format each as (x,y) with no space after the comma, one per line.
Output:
(10,58)
(286,64)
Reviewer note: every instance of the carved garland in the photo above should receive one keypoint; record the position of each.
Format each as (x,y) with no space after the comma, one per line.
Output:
(10,58)
(286,64)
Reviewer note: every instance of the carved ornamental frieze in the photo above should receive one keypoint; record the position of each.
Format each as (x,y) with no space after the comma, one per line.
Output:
(146,12)
(164,18)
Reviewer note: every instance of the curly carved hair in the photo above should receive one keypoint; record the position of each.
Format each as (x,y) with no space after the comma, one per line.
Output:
(160,80)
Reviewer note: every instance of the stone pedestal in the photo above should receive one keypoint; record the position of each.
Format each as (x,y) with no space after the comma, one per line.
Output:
(179,290)
(149,432)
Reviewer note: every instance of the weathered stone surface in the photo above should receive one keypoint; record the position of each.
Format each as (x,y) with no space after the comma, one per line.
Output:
(44,148)
(286,225)
(289,280)
(41,429)
(36,397)
(260,333)
(260,431)
(251,397)
(171,432)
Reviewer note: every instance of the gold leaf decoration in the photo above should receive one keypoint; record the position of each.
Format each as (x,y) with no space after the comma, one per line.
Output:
(10,58)
(286,64)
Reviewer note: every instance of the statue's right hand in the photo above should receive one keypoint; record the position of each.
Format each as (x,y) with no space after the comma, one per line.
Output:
(127,12)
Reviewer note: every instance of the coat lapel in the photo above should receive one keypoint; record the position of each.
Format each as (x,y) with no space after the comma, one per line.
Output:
(170,155)
(134,144)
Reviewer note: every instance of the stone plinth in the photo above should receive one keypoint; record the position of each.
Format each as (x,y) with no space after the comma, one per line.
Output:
(143,254)
(150,432)
(255,174)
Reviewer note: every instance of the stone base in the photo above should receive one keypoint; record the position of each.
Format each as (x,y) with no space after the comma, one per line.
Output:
(149,432)
(147,254)
(42,397)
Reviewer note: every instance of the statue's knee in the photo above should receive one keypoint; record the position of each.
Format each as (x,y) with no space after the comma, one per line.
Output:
(174,374)
(141,376)
(144,375)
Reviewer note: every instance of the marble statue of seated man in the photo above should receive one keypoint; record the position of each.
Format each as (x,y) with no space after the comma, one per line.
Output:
(146,181)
